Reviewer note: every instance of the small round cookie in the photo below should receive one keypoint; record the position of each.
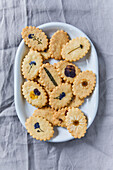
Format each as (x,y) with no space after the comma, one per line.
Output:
(45,54)
(60,96)
(59,117)
(34,94)
(84,84)
(76,48)
(67,71)
(76,122)
(76,102)
(39,128)
(46,113)
(31,64)
(58,40)
(35,38)
(49,76)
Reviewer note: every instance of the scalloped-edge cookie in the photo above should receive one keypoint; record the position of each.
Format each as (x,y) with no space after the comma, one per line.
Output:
(34,94)
(31,64)
(57,41)
(59,117)
(49,76)
(39,128)
(46,113)
(84,84)
(76,122)
(76,48)
(76,101)
(45,54)
(60,96)
(68,71)
(35,38)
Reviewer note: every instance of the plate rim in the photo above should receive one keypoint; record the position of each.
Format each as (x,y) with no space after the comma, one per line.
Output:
(16,70)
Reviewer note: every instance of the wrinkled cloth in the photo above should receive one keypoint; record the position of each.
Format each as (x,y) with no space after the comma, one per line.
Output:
(19,151)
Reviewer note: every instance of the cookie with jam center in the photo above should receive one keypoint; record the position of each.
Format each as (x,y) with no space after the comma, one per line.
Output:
(84,84)
(76,48)
(34,94)
(31,64)
(60,96)
(76,122)
(39,128)
(35,38)
(68,71)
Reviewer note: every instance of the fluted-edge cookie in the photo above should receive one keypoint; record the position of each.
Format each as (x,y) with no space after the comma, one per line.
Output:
(76,48)
(39,128)
(59,117)
(57,41)
(45,54)
(68,71)
(76,101)
(49,76)
(34,94)
(31,64)
(46,113)
(84,84)
(35,38)
(60,96)
(76,122)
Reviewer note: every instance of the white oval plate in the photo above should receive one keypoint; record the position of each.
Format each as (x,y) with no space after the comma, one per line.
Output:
(24,109)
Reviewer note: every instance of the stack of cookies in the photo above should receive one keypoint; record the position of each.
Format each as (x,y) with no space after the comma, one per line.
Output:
(56,90)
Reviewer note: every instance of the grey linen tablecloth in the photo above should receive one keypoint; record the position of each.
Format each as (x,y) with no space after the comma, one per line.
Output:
(19,151)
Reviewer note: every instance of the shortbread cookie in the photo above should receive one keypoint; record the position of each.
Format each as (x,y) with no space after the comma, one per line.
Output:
(75,49)
(39,128)
(67,71)
(35,38)
(84,84)
(31,64)
(58,40)
(46,113)
(59,117)
(60,96)
(76,122)
(76,102)
(34,94)
(49,76)
(45,54)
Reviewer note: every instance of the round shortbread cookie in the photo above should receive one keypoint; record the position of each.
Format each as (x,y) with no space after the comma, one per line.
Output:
(75,49)
(59,117)
(49,76)
(76,122)
(39,128)
(84,84)
(31,64)
(60,96)
(46,113)
(34,94)
(58,40)
(68,71)
(35,38)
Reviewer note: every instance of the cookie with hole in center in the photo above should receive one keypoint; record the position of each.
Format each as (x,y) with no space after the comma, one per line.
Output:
(57,41)
(49,76)
(76,122)
(60,96)
(34,94)
(68,71)
(31,64)
(46,113)
(59,117)
(76,48)
(39,128)
(35,38)
(84,84)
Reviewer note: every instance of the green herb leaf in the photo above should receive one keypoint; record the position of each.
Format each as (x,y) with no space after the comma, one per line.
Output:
(50,76)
